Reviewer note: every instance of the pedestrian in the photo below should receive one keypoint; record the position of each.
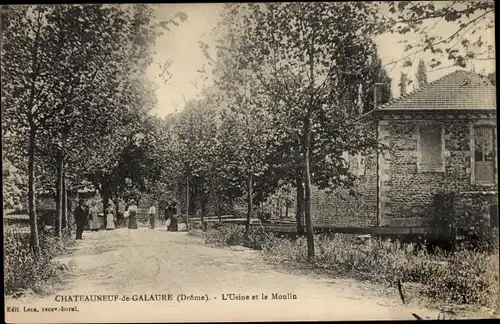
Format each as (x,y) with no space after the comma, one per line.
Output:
(132,215)
(81,219)
(94,218)
(173,226)
(110,218)
(166,213)
(152,214)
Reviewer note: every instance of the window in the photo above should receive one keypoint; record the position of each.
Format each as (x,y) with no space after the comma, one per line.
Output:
(484,154)
(361,164)
(431,148)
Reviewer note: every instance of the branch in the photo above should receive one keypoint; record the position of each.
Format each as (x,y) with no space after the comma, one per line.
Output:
(446,40)
(440,13)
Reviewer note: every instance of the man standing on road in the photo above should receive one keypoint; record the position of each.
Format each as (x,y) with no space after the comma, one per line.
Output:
(152,213)
(80,219)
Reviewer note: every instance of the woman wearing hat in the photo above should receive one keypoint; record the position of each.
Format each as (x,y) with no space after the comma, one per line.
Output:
(94,218)
(110,217)
(132,215)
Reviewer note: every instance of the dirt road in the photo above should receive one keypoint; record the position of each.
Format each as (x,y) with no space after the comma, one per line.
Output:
(139,263)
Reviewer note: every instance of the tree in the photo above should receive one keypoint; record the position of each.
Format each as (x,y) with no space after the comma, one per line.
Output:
(311,64)
(246,122)
(195,133)
(26,71)
(421,75)
(403,81)
(246,134)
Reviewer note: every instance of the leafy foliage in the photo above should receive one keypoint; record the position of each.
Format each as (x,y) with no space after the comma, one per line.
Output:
(14,185)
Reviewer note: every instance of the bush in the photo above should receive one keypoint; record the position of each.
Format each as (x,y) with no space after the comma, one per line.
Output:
(467,277)
(235,235)
(226,235)
(22,270)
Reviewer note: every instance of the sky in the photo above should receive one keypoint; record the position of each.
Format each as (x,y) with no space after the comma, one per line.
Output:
(180,45)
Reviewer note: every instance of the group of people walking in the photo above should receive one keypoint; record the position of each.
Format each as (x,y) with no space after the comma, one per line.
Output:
(170,216)
(90,217)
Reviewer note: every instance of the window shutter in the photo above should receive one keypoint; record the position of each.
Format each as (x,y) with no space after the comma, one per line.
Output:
(431,147)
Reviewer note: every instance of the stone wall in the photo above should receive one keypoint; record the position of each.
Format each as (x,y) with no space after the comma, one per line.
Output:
(407,192)
(341,209)
(394,191)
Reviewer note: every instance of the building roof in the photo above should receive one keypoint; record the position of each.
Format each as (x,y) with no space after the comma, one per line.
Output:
(459,90)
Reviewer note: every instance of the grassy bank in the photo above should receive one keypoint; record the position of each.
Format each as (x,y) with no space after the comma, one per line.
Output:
(460,278)
(23,274)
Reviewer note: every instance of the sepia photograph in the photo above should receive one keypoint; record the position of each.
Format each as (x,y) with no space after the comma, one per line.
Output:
(249,162)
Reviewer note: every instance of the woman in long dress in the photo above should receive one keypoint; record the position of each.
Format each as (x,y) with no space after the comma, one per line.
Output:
(132,215)
(110,218)
(173,226)
(94,218)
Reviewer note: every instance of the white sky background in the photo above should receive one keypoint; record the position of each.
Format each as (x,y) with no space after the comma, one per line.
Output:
(181,46)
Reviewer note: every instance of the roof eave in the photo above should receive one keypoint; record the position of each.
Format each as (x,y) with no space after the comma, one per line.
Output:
(436,109)
(376,111)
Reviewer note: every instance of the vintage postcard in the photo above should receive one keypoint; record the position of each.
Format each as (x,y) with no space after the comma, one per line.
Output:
(271,161)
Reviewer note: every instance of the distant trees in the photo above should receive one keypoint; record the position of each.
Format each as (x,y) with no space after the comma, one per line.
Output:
(403,82)
(421,75)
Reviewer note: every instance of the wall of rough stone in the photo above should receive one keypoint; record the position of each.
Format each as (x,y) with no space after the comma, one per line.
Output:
(407,193)
(341,209)
(397,193)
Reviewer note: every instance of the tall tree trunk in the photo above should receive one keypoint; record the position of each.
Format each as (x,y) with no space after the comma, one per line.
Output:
(64,202)
(217,204)
(59,197)
(202,204)
(118,220)
(250,201)
(105,195)
(203,208)
(216,197)
(34,240)
(307,200)
(299,216)
(307,153)
(187,203)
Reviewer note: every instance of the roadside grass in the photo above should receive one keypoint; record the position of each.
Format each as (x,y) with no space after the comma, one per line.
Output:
(460,280)
(23,274)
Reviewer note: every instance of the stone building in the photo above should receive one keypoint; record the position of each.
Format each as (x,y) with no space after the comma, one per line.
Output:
(440,138)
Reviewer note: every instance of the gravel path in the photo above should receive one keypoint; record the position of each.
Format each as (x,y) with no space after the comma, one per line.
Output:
(144,262)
